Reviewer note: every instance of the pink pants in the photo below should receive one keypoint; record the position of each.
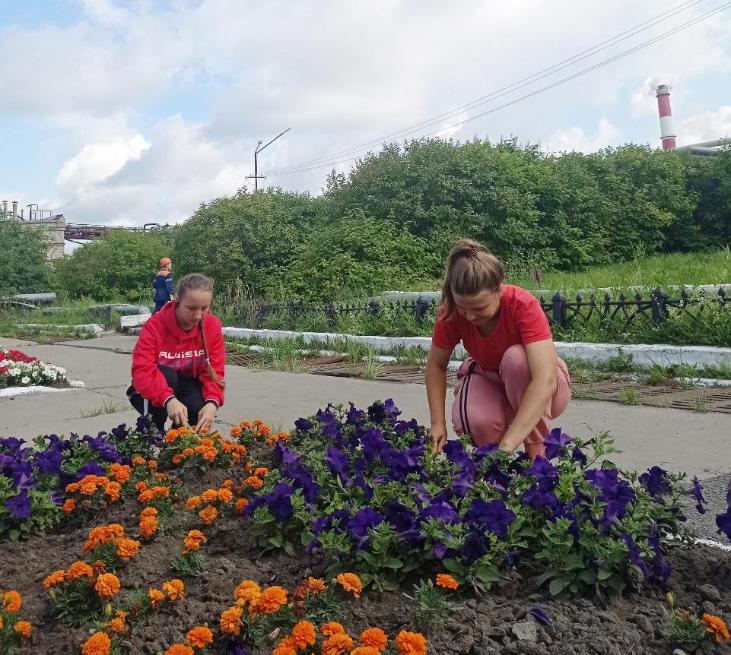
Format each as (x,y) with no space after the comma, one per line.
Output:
(485,402)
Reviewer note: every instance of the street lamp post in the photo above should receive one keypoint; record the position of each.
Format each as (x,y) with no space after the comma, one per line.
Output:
(259,148)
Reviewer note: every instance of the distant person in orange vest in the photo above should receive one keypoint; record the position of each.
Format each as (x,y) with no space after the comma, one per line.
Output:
(163,284)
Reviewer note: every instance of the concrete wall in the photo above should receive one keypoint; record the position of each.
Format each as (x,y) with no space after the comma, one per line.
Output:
(53,231)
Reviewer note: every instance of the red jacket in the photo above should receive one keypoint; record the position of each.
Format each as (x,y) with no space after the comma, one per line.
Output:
(163,342)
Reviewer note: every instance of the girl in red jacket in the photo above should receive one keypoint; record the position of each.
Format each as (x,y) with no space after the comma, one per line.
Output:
(178,361)
(513,382)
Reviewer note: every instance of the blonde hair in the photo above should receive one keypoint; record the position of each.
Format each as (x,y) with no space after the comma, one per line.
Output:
(471,268)
(193,281)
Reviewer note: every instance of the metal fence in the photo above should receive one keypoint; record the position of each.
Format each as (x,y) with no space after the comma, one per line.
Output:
(656,306)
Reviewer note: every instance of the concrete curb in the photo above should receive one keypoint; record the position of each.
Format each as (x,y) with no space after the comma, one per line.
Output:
(642,354)
(11,392)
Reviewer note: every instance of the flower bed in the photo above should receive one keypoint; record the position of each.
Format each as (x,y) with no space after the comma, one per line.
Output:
(190,544)
(20,370)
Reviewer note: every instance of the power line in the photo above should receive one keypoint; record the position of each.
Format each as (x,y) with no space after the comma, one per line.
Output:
(303,167)
(545,72)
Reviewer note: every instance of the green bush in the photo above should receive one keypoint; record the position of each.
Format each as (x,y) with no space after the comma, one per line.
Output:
(23,265)
(122,265)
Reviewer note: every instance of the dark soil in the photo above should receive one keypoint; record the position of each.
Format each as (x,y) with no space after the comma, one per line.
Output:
(496,623)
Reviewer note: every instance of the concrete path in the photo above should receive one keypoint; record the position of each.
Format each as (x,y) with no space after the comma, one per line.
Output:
(693,443)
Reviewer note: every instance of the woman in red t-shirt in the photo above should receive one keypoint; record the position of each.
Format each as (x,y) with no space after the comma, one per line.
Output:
(513,383)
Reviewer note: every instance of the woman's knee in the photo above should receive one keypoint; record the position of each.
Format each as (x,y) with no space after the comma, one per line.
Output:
(484,427)
(514,361)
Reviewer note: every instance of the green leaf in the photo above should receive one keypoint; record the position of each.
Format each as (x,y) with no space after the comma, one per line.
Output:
(557,585)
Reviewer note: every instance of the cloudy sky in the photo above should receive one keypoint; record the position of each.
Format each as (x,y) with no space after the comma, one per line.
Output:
(130,112)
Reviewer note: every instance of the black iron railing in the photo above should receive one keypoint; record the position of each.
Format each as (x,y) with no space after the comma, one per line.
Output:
(561,311)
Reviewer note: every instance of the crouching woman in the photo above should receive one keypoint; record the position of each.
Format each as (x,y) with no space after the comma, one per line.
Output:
(179,359)
(513,382)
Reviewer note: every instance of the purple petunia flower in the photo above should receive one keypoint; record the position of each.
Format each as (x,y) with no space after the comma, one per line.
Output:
(493,515)
(359,524)
(19,506)
(338,463)
(635,556)
(90,468)
(49,461)
(723,521)
(354,416)
(303,425)
(440,510)
(655,480)
(280,501)
(698,494)
(57,497)
(540,615)
(578,455)
(373,443)
(615,493)
(555,441)
(103,448)
(542,468)
(475,546)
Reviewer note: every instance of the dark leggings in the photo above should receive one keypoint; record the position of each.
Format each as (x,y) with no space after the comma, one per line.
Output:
(187,390)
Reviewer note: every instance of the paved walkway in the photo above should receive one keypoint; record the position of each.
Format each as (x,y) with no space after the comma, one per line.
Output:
(678,440)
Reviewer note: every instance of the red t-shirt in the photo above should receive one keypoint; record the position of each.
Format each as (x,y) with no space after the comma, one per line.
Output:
(521,321)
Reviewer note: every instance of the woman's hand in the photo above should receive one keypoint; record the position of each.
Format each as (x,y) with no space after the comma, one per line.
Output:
(206,416)
(439,436)
(177,412)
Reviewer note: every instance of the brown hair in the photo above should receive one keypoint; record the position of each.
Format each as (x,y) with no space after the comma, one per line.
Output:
(193,281)
(203,282)
(471,268)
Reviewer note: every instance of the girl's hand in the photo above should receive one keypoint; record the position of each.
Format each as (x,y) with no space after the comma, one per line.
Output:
(439,436)
(206,416)
(177,412)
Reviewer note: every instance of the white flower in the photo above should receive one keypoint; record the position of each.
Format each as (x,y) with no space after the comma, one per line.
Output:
(25,380)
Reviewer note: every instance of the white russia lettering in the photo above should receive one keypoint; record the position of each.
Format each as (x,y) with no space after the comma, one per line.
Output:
(182,355)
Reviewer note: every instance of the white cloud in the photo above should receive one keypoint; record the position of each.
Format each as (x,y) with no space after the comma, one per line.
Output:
(708,126)
(575,139)
(339,74)
(97,161)
(644,100)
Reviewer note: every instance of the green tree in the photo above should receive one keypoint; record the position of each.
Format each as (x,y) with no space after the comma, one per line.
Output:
(121,265)
(247,239)
(23,265)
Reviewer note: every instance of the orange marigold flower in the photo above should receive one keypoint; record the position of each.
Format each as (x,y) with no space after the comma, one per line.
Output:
(146,496)
(57,577)
(315,585)
(235,432)
(148,527)
(98,644)
(117,626)
(107,585)
(284,649)
(194,502)
(127,548)
(141,485)
(69,505)
(156,596)
(209,495)
(365,650)
(148,511)
(230,622)
(174,589)
(350,582)
(270,600)
(241,504)
(331,628)
(337,644)
(411,643)
(179,649)
(227,484)
(2,623)
(24,629)
(304,635)
(247,591)
(113,490)
(253,482)
(225,495)
(152,465)
(120,472)
(374,637)
(87,488)
(137,461)
(177,459)
(208,514)
(12,601)
(196,536)
(261,471)
(446,581)
(73,486)
(209,454)
(200,636)
(161,492)
(717,627)
(79,569)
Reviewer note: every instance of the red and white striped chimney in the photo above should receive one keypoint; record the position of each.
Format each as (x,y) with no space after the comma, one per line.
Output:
(667,129)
